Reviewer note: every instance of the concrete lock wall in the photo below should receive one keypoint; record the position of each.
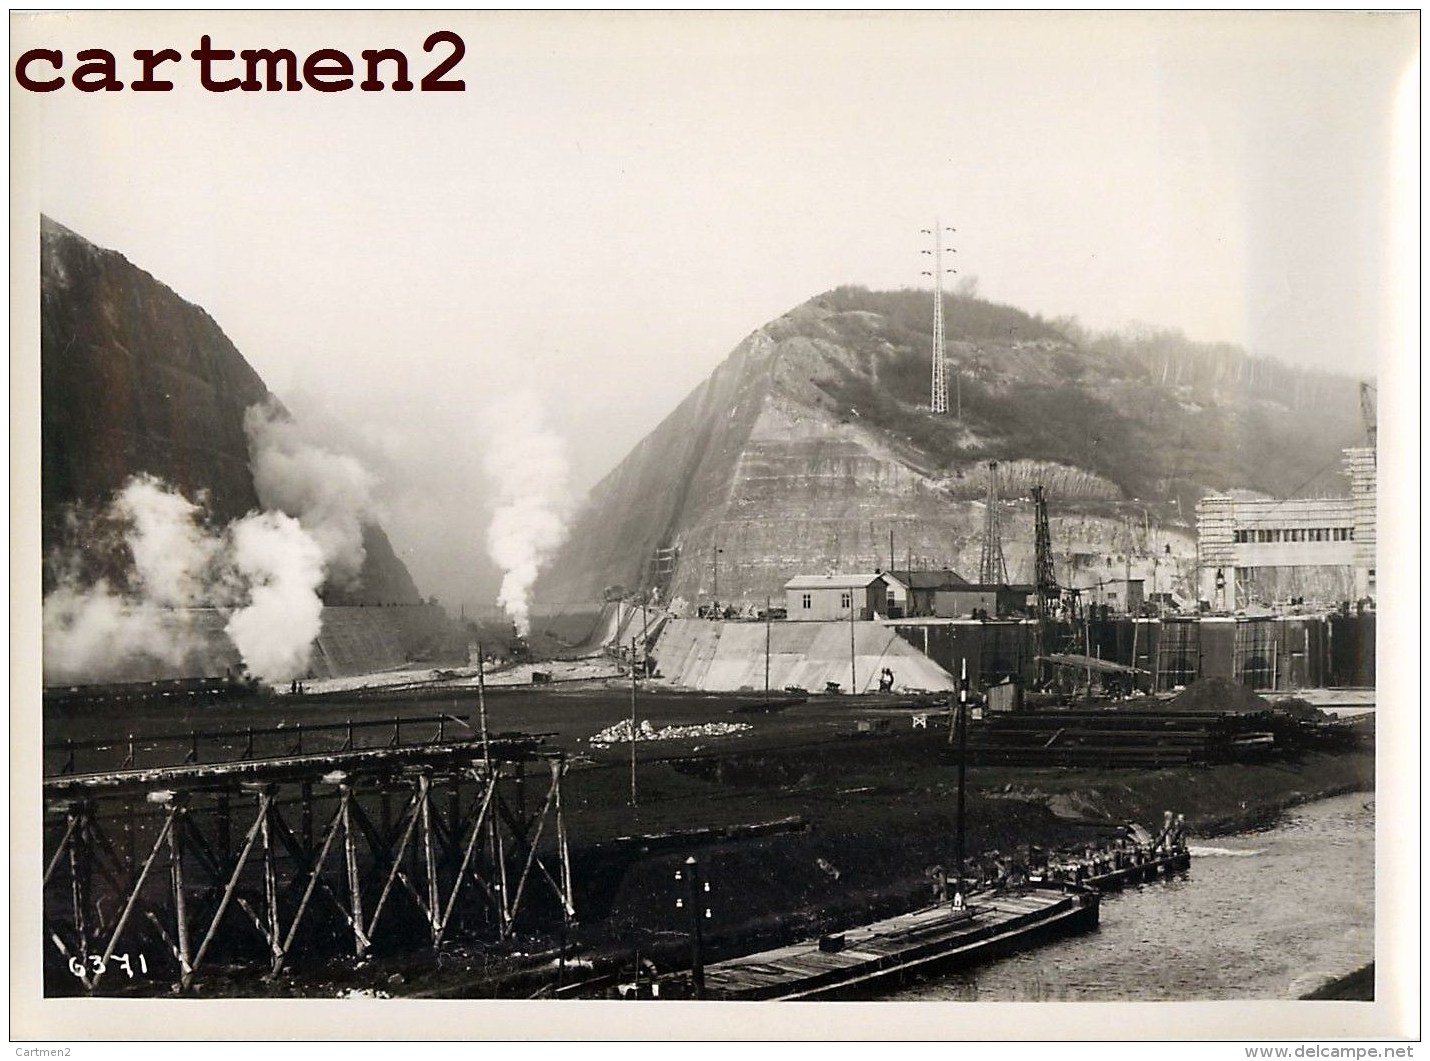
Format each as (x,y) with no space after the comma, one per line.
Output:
(730,656)
(1283,653)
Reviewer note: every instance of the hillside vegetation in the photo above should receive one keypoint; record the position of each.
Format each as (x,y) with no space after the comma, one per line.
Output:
(1164,418)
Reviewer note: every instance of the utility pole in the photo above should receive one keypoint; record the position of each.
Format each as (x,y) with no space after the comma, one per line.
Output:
(645,635)
(633,722)
(482,705)
(962,725)
(767,648)
(1087,648)
(938,383)
(715,552)
(695,892)
(853,676)
(1046,585)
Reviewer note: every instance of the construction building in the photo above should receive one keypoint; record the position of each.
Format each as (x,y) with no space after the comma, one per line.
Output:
(809,597)
(1265,552)
(987,601)
(916,593)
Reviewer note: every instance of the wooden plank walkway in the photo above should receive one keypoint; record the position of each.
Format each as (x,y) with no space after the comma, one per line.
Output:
(884,947)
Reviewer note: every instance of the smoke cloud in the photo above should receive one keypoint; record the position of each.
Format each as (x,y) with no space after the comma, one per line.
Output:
(281,569)
(125,590)
(173,553)
(527,462)
(160,560)
(330,494)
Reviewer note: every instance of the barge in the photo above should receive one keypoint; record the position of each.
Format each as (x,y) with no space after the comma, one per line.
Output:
(1136,858)
(865,961)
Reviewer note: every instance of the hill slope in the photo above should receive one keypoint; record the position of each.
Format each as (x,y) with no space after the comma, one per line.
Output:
(133,379)
(812,445)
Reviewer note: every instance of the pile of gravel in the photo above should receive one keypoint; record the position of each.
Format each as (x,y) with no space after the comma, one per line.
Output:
(1217,694)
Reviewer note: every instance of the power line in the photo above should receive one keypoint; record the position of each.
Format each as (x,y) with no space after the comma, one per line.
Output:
(938,382)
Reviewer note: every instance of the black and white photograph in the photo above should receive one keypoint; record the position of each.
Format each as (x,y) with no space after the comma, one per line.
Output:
(547,524)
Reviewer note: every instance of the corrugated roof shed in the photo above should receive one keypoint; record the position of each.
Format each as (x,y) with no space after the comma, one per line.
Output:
(832,581)
(945,579)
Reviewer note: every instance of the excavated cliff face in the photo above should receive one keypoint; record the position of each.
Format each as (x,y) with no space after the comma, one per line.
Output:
(134,379)
(763,473)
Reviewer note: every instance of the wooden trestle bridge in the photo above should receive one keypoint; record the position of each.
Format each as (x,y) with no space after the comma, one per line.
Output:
(251,851)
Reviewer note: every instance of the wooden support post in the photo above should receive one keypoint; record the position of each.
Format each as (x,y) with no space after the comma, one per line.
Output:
(424,795)
(270,878)
(306,790)
(478,827)
(360,933)
(521,797)
(499,854)
(454,806)
(71,824)
(131,836)
(79,879)
(396,867)
(232,885)
(568,906)
(223,825)
(133,898)
(531,849)
(329,835)
(176,877)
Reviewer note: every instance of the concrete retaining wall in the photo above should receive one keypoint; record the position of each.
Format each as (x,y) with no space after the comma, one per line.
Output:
(730,656)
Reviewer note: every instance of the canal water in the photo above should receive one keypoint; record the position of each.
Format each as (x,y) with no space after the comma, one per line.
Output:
(1271,914)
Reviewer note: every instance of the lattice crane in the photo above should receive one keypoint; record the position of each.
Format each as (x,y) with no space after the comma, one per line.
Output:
(992,570)
(1045,581)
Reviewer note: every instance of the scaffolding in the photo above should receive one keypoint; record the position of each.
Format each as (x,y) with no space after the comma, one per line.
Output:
(1178,654)
(265,862)
(1253,658)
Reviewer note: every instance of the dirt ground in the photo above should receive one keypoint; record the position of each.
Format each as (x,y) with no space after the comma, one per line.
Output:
(874,795)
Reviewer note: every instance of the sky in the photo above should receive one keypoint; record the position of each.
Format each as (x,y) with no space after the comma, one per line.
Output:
(616,200)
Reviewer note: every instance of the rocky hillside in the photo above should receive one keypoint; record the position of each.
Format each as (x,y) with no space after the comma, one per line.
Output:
(134,379)
(812,446)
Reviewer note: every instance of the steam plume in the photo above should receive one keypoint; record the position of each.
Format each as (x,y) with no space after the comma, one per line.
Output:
(172,552)
(281,567)
(164,560)
(527,461)
(330,494)
(122,594)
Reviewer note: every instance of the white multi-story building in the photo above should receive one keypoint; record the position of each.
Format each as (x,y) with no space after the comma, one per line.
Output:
(1267,551)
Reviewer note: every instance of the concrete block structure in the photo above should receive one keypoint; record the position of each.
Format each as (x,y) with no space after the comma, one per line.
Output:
(916,593)
(986,600)
(814,597)
(1266,551)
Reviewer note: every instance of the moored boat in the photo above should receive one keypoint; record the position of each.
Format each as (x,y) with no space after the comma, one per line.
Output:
(867,960)
(1134,858)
